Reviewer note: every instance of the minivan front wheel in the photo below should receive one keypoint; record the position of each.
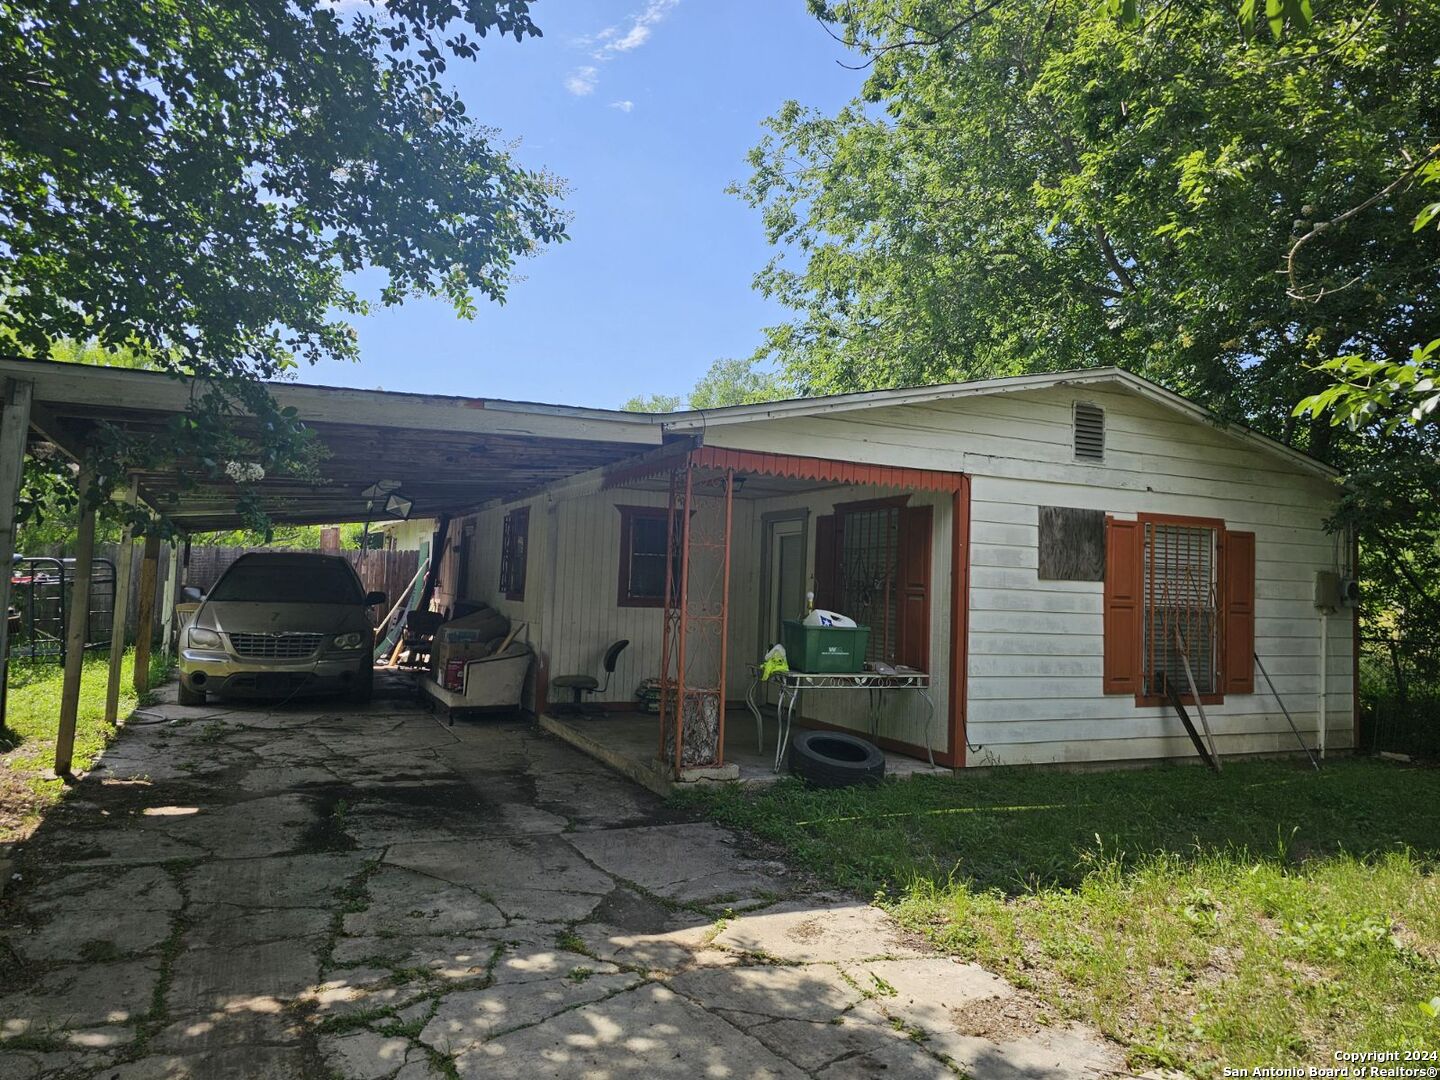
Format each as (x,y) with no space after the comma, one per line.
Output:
(189,696)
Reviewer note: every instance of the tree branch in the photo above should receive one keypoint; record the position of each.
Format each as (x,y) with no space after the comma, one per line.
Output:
(876,51)
(1112,260)
(1295,292)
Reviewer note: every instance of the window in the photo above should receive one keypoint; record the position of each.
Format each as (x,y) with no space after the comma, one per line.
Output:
(644,534)
(462,564)
(514,550)
(1089,432)
(278,579)
(1181,607)
(1171,580)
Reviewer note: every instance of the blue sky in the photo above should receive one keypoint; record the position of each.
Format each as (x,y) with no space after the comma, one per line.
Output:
(647,108)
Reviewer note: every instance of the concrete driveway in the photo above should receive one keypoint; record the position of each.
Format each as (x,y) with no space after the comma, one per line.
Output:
(318,891)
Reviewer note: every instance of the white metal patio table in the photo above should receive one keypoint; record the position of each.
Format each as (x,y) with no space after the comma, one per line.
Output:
(874,683)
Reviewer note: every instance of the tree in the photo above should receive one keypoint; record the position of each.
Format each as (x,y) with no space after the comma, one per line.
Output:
(1033,185)
(1038,188)
(653,403)
(727,382)
(197,182)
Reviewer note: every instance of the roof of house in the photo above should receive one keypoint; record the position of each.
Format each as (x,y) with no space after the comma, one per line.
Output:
(430,442)
(700,419)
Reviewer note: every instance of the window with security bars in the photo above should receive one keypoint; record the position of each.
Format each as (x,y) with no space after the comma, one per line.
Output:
(869,567)
(514,550)
(1181,607)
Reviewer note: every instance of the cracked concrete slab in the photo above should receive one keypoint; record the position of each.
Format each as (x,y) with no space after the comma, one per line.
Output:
(926,992)
(364,1055)
(753,994)
(809,932)
(369,893)
(812,1045)
(693,861)
(281,881)
(80,996)
(450,957)
(404,902)
(473,1016)
(650,1032)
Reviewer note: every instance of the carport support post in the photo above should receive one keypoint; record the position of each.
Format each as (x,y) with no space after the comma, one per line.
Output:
(145,613)
(172,586)
(124,568)
(77,625)
(14,427)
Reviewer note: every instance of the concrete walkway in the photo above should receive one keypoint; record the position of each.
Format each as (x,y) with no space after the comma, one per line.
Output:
(324,892)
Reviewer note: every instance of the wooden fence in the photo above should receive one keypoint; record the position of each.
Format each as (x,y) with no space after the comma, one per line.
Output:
(389,572)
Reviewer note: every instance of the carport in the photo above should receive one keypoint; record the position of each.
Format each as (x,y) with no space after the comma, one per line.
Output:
(445,454)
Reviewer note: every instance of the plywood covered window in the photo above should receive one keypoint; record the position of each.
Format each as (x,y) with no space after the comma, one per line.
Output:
(872,563)
(644,536)
(1178,589)
(514,553)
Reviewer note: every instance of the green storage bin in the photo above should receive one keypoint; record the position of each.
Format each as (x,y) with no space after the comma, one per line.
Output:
(825,649)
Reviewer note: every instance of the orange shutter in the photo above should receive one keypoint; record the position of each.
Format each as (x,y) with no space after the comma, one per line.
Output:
(913,646)
(1239,565)
(827,578)
(1123,607)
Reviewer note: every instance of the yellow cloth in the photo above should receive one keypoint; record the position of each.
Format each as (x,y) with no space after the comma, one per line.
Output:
(773,665)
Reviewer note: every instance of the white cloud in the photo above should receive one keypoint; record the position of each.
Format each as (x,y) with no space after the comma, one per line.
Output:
(623,106)
(623,38)
(581,81)
(614,40)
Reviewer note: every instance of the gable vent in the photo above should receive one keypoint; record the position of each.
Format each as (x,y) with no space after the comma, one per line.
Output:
(1089,432)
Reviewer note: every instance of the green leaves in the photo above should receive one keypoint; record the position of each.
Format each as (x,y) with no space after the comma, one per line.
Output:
(1378,391)
(197,181)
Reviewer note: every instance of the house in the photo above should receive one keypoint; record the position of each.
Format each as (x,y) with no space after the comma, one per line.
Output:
(1030,542)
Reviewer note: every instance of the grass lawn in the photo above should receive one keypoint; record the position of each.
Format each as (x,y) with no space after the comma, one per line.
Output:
(1268,916)
(27,743)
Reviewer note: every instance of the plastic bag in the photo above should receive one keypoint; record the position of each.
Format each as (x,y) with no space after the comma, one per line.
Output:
(821,617)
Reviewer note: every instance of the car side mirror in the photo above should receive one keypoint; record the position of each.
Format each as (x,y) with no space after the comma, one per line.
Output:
(191,594)
(374,599)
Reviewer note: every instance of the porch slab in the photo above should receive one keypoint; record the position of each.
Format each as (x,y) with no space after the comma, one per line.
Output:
(628,743)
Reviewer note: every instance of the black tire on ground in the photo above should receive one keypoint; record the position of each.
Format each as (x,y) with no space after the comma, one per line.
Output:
(363,688)
(832,759)
(190,697)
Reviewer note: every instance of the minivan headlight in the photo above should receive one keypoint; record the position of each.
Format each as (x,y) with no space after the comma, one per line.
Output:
(201,638)
(349,641)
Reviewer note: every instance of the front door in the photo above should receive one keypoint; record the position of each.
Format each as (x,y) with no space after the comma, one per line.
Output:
(785,597)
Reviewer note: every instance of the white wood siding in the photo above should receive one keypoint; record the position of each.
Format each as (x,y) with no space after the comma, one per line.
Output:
(1036,647)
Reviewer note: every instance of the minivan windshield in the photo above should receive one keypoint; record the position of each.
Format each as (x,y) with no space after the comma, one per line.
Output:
(288,581)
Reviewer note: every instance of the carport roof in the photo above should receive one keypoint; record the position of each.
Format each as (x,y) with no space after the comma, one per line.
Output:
(448,453)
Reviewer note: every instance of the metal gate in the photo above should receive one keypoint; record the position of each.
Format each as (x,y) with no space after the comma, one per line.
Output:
(40,589)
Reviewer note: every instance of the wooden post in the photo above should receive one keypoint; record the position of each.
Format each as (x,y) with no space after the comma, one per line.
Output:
(15,398)
(145,612)
(124,567)
(77,624)
(172,589)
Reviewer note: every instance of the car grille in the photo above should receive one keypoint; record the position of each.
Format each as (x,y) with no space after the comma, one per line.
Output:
(275,646)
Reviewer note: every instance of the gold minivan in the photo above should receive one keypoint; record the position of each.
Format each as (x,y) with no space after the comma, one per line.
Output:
(280,624)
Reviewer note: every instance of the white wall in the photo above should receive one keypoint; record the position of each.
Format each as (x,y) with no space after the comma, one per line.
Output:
(408,535)
(572,584)
(1036,647)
